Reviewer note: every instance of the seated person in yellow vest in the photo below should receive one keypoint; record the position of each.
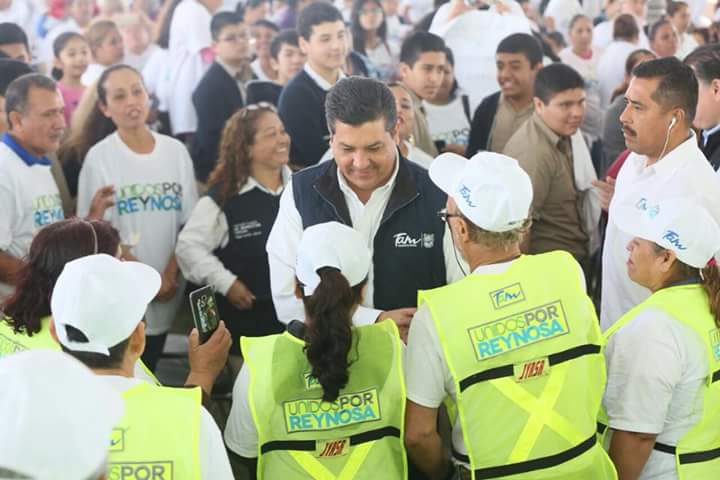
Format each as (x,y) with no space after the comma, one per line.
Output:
(56,417)
(515,345)
(323,400)
(25,325)
(98,307)
(663,356)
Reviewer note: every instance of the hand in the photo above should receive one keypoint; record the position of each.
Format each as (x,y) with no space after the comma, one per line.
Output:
(101,201)
(401,317)
(606,190)
(168,285)
(207,360)
(240,296)
(455,148)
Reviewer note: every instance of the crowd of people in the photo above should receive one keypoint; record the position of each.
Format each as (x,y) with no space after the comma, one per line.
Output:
(451,240)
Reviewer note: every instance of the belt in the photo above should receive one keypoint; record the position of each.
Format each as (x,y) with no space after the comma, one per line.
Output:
(311,445)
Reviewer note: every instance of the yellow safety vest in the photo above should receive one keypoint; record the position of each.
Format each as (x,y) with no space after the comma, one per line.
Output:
(358,436)
(12,342)
(525,352)
(158,436)
(697,454)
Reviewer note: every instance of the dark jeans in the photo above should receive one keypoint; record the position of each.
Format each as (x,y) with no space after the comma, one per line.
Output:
(154,345)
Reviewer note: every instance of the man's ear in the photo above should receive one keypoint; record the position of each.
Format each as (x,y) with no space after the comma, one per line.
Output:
(15,120)
(715,85)
(53,331)
(304,45)
(539,105)
(404,70)
(137,340)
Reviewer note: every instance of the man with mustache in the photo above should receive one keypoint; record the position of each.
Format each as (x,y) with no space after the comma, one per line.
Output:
(543,148)
(665,162)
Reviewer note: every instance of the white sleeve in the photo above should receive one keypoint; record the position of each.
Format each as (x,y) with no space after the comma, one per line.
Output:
(282,254)
(644,365)
(205,231)
(427,377)
(240,432)
(90,180)
(452,258)
(214,462)
(8,212)
(190,193)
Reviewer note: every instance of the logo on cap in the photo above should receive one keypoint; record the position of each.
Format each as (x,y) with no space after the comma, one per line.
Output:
(651,210)
(674,239)
(465,193)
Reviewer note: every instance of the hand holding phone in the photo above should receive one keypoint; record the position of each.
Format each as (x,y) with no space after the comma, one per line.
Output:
(204,311)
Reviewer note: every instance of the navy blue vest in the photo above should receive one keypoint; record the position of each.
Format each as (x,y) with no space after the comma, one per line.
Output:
(408,247)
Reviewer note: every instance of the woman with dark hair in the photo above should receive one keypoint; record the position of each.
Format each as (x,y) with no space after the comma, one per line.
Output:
(349,377)
(223,242)
(152,184)
(369,36)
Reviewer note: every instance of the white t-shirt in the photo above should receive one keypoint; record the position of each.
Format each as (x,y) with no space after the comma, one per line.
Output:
(214,463)
(684,172)
(603,35)
(189,35)
(92,74)
(138,61)
(656,367)
(611,68)
(156,74)
(448,123)
(562,11)
(154,196)
(29,200)
(474,37)
(427,377)
(383,59)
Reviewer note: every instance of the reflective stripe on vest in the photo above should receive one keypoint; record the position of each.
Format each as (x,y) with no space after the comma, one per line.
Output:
(158,436)
(525,345)
(697,455)
(359,436)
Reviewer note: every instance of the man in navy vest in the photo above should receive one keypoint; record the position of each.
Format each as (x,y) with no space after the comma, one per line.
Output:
(371,187)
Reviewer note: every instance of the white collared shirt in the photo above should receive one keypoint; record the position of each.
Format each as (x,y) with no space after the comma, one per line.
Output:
(684,172)
(317,78)
(706,133)
(205,232)
(366,219)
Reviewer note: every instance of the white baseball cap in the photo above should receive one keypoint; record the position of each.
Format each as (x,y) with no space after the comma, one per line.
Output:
(490,189)
(331,244)
(676,224)
(56,416)
(103,297)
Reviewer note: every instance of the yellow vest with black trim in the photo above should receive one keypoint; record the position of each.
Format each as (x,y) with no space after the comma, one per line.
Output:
(13,342)
(525,352)
(697,454)
(359,436)
(158,436)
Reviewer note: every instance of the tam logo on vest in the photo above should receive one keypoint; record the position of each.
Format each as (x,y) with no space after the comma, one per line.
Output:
(405,240)
(715,343)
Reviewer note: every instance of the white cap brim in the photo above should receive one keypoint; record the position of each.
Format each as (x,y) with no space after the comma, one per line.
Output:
(445,171)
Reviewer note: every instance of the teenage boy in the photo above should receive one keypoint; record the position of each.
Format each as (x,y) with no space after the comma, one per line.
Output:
(220,91)
(14,42)
(287,60)
(518,59)
(302,102)
(705,62)
(422,69)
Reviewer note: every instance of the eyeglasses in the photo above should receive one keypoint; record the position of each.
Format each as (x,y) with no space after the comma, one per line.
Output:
(234,38)
(444,215)
(257,106)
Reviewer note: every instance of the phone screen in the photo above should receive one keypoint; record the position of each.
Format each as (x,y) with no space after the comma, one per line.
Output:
(205,312)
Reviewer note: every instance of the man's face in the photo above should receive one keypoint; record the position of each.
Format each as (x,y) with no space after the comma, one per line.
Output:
(16,51)
(365,154)
(645,123)
(327,45)
(515,75)
(564,113)
(41,126)
(708,106)
(665,43)
(290,60)
(426,76)
(681,19)
(232,44)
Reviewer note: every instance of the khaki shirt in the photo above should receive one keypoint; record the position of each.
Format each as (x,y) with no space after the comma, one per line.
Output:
(507,121)
(547,159)
(421,130)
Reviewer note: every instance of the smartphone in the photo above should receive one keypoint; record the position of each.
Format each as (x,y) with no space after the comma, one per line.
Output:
(204,311)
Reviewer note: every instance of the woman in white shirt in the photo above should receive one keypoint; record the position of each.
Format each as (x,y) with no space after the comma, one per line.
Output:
(369,36)
(152,184)
(223,243)
(663,38)
(663,356)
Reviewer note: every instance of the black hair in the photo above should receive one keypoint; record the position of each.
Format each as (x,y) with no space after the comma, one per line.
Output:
(255,3)
(678,87)
(11,33)
(90,359)
(674,7)
(328,334)
(554,79)
(625,28)
(222,20)
(655,27)
(577,18)
(315,14)
(18,92)
(285,37)
(163,35)
(358,100)
(263,22)
(522,43)
(418,43)
(357,31)
(58,45)
(10,70)
(705,60)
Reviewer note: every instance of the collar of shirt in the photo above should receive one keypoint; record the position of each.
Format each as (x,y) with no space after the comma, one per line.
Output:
(707,133)
(529,108)
(252,184)
(24,155)
(553,137)
(349,193)
(321,82)
(493,268)
(667,165)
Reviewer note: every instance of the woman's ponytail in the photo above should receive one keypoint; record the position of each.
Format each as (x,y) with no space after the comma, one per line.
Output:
(328,335)
(711,282)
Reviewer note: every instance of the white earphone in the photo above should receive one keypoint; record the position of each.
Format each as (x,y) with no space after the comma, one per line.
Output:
(672,122)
